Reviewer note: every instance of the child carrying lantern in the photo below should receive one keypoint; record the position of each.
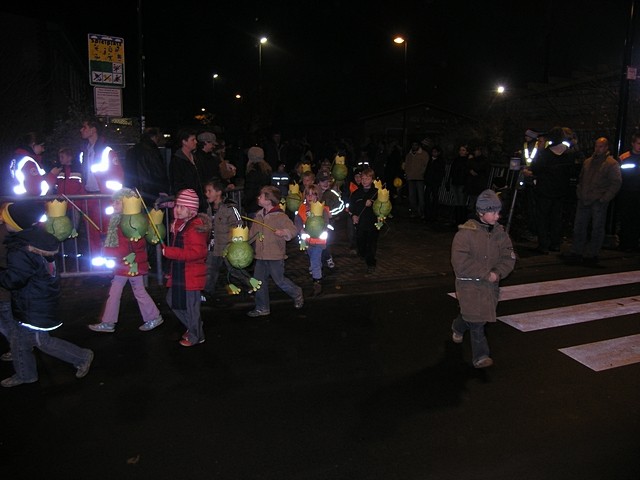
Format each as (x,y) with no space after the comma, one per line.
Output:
(312,221)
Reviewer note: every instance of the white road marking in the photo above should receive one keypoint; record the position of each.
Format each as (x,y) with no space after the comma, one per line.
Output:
(606,354)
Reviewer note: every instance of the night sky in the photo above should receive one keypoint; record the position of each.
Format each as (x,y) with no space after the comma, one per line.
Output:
(331,61)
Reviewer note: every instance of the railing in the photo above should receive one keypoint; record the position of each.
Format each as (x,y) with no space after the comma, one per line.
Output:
(77,253)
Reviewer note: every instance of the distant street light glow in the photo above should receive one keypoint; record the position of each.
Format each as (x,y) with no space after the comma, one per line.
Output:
(500,89)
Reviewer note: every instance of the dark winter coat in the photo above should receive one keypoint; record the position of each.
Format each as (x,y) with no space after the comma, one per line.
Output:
(32,278)
(478,250)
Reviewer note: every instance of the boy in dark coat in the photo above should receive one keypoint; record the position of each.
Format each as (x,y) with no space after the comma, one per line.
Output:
(35,290)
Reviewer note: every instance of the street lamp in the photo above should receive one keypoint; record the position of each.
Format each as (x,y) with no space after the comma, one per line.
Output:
(213,90)
(399,40)
(262,41)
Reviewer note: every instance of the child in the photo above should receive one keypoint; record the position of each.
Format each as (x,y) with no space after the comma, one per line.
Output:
(314,246)
(31,275)
(7,324)
(332,198)
(481,255)
(364,220)
(131,264)
(275,229)
(354,184)
(188,269)
(224,216)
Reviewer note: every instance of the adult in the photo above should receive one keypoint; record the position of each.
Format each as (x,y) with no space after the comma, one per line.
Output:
(456,183)
(28,172)
(206,158)
(258,175)
(414,166)
(183,171)
(275,152)
(598,184)
(552,170)
(628,201)
(478,171)
(145,167)
(101,174)
(433,177)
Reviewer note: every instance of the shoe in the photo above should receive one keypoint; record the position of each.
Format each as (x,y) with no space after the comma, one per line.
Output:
(84,368)
(483,362)
(185,342)
(299,301)
(185,335)
(258,313)
(330,263)
(353,251)
(456,337)
(103,327)
(317,288)
(6,357)
(14,381)
(151,324)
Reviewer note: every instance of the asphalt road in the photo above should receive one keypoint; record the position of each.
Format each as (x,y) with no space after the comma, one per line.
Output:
(363,383)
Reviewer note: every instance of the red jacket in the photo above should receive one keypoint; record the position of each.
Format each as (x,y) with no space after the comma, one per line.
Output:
(124,248)
(70,182)
(195,239)
(31,178)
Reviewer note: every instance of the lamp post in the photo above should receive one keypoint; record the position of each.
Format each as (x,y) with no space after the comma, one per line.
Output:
(213,90)
(403,41)
(262,41)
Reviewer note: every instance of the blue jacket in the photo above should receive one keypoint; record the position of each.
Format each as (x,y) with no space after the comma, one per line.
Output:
(32,278)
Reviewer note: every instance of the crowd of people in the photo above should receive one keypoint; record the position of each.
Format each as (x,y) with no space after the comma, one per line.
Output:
(288,194)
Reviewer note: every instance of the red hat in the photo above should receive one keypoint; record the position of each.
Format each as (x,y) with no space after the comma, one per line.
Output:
(188,198)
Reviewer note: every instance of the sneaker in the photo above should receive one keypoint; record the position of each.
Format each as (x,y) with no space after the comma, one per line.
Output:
(317,289)
(456,337)
(14,381)
(258,313)
(103,327)
(299,301)
(483,362)
(330,263)
(84,368)
(185,335)
(6,357)
(151,324)
(185,342)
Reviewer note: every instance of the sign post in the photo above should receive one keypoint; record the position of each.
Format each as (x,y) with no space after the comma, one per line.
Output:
(106,73)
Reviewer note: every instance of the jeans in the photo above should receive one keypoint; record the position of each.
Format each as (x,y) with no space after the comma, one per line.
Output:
(7,323)
(24,339)
(315,261)
(596,213)
(479,344)
(274,269)
(190,317)
(147,306)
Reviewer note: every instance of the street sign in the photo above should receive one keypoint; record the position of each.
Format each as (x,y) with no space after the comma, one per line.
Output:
(106,61)
(108,101)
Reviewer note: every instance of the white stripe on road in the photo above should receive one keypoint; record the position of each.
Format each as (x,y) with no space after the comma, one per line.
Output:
(607,354)
(586,312)
(526,290)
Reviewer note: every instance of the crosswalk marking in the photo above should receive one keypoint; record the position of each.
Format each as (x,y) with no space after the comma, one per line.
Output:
(597,356)
(606,354)
(586,312)
(526,290)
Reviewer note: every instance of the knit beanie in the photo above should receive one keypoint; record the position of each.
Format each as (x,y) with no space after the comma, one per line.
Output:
(488,201)
(188,198)
(22,215)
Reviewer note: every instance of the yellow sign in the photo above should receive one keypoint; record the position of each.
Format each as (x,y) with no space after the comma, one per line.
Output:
(106,60)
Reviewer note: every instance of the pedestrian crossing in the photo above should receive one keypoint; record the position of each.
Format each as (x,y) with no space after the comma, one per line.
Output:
(598,356)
